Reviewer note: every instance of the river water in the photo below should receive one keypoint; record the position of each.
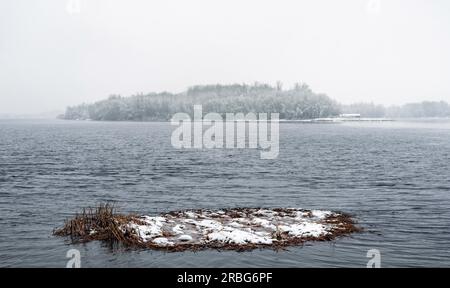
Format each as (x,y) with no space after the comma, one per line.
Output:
(394,177)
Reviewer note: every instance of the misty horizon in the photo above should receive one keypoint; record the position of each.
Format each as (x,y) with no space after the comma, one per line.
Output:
(385,52)
(57,112)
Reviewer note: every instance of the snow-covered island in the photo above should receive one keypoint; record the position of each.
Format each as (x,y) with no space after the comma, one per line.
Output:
(235,229)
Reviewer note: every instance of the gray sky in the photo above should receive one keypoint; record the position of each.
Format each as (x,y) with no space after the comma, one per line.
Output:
(388,52)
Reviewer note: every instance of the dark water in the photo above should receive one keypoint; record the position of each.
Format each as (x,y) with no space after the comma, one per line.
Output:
(394,177)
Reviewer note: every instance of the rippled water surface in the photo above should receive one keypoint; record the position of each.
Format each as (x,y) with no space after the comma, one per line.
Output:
(394,177)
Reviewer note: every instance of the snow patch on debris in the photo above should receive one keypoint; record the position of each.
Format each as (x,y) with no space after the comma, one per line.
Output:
(150,230)
(235,236)
(161,241)
(234,227)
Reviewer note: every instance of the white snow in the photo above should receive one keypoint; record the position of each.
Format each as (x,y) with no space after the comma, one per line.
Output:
(264,223)
(162,241)
(185,238)
(190,214)
(178,229)
(305,229)
(233,226)
(236,236)
(236,225)
(150,230)
(321,214)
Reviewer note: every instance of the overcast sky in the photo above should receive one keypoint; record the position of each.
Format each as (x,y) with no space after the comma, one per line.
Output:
(388,52)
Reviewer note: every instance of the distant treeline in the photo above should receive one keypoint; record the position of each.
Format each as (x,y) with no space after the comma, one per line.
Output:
(411,110)
(300,102)
(296,103)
